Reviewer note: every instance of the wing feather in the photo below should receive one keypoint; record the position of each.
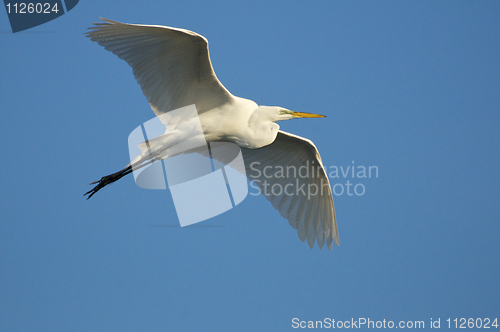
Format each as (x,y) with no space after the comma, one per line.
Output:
(171,65)
(311,213)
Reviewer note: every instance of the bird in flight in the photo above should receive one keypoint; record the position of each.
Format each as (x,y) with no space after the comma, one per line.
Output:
(174,70)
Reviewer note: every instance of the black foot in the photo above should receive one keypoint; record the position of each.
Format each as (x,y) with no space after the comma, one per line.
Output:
(108,179)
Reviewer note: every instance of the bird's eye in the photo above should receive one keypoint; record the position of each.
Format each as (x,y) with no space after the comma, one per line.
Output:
(282,111)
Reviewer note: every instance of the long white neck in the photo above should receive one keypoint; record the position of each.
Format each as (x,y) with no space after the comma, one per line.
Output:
(243,122)
(262,127)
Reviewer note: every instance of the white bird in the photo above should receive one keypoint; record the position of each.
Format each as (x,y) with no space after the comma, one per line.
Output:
(173,68)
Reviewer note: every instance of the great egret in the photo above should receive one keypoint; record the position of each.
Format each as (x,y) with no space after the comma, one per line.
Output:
(173,68)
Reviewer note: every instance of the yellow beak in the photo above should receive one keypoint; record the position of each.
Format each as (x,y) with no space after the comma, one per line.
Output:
(306,115)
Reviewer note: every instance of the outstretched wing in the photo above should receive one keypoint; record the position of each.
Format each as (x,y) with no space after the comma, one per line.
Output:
(290,174)
(171,65)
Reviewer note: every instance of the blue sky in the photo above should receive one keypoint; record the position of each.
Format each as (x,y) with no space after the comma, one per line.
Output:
(409,87)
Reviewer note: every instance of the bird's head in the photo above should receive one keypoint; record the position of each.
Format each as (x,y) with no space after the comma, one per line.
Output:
(284,114)
(275,113)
